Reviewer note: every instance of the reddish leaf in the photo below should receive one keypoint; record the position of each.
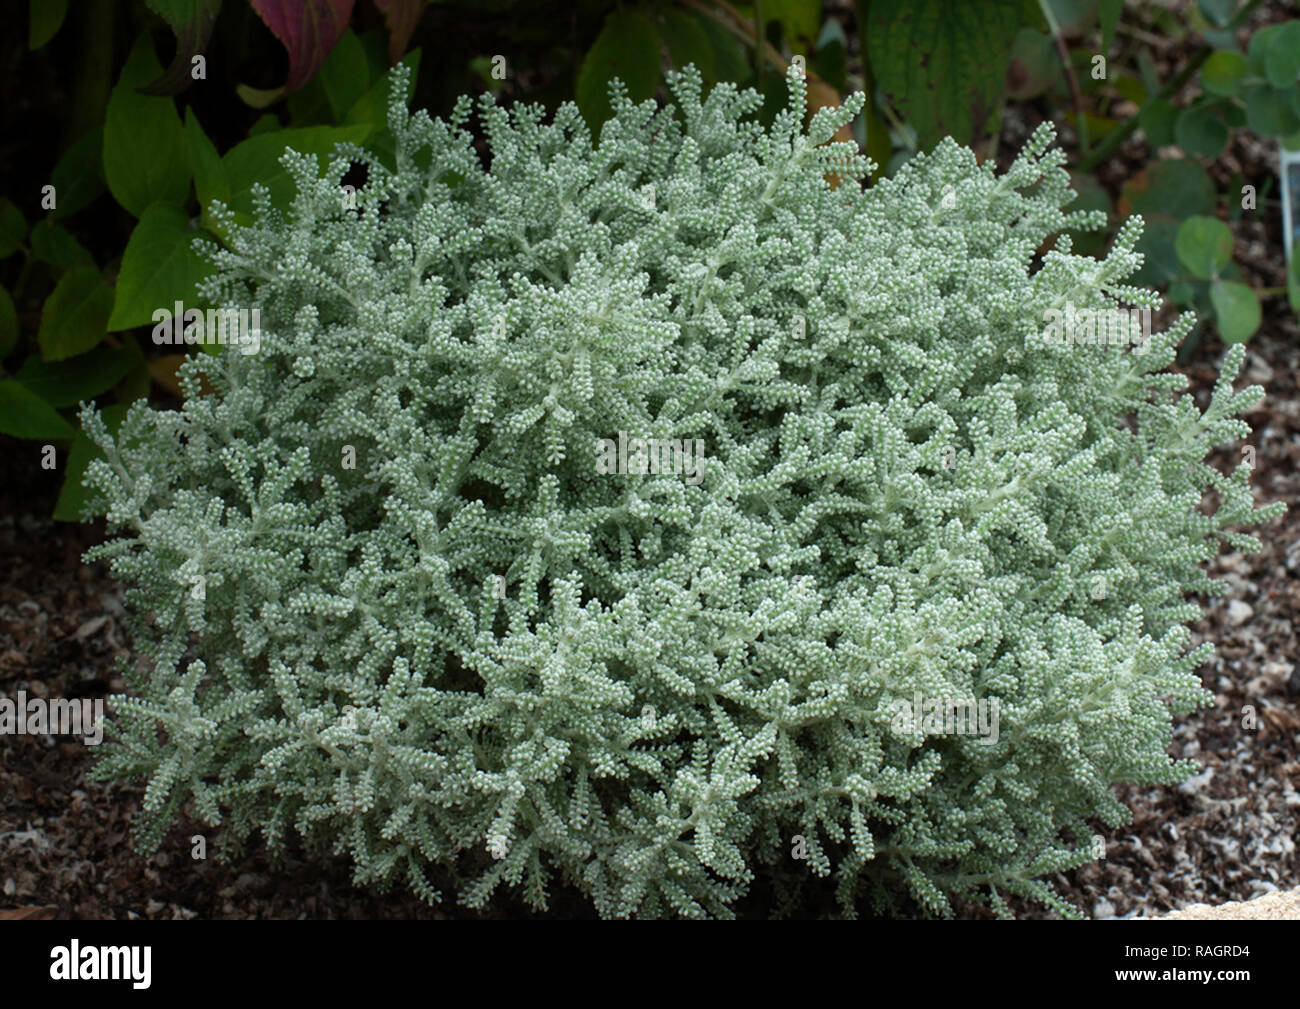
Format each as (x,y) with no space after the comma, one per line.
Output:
(401,17)
(308,28)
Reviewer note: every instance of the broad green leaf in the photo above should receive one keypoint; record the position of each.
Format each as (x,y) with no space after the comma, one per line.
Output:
(1236,309)
(1200,132)
(730,59)
(1183,292)
(1034,64)
(158,268)
(75,315)
(257,160)
(145,158)
(1157,120)
(1257,49)
(688,43)
(23,414)
(308,29)
(799,20)
(627,48)
(1176,187)
(44,19)
(943,65)
(67,383)
(1282,61)
(1269,112)
(54,244)
(831,61)
(1091,195)
(345,75)
(266,123)
(8,324)
(1204,246)
(1224,72)
(1073,16)
(81,453)
(191,22)
(78,177)
(205,163)
(13,227)
(1160,260)
(371,109)
(137,382)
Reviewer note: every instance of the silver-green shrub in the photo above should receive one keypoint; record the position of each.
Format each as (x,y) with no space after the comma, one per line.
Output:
(394,600)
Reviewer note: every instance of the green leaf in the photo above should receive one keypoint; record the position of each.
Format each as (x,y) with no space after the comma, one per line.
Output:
(73,495)
(158,268)
(1176,187)
(205,164)
(78,177)
(1160,260)
(687,43)
(1236,309)
(1034,65)
(1224,72)
(67,383)
(1157,120)
(191,21)
(13,227)
(943,65)
(257,160)
(627,48)
(23,414)
(1218,12)
(345,74)
(45,18)
(799,20)
(1269,112)
(54,244)
(1200,132)
(371,109)
(258,98)
(730,59)
(831,62)
(266,123)
(145,157)
(1108,14)
(1183,292)
(1257,49)
(1204,246)
(1282,61)
(1090,195)
(8,324)
(1073,16)
(75,314)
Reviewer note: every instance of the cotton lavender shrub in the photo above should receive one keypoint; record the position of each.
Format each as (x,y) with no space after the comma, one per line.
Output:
(422,583)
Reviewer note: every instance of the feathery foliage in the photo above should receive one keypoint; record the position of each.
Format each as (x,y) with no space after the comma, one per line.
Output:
(477,656)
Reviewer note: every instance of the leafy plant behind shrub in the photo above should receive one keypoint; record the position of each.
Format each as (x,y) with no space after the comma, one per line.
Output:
(475,651)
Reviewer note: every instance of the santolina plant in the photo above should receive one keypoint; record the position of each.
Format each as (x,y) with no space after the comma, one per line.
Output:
(399,599)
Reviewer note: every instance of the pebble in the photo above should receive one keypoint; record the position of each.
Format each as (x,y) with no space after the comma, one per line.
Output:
(1239,612)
